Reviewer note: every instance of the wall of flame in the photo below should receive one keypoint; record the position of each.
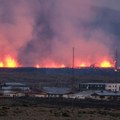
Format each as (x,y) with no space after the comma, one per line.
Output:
(11,62)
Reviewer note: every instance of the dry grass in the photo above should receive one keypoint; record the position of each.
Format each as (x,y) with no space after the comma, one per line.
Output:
(49,113)
(24,109)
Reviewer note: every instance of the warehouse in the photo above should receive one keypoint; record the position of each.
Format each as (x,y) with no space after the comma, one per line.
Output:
(14,89)
(14,86)
(106,95)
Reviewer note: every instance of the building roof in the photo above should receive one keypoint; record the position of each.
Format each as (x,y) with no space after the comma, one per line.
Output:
(99,83)
(56,90)
(106,93)
(83,93)
(11,86)
(14,84)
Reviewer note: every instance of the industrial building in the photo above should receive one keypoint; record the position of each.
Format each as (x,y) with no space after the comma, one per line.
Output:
(14,89)
(56,91)
(106,95)
(100,86)
(14,86)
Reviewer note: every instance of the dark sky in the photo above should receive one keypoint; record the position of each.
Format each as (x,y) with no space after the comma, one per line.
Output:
(113,4)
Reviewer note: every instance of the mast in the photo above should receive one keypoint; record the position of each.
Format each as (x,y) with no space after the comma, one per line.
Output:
(73,70)
(116,60)
(73,58)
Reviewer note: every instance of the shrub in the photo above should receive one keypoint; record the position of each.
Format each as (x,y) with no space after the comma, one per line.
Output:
(65,114)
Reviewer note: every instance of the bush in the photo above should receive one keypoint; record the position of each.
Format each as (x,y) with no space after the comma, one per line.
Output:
(65,114)
(3,111)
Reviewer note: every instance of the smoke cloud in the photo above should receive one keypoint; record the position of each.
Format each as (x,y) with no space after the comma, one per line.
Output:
(43,31)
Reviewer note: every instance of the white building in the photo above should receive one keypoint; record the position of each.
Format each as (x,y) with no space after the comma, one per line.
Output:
(100,86)
(112,86)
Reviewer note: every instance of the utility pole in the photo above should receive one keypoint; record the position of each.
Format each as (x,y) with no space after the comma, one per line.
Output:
(116,60)
(73,58)
(73,70)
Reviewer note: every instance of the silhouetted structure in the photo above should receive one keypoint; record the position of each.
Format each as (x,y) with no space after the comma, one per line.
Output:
(116,59)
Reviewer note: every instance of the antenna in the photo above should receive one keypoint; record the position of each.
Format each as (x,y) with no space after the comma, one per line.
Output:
(73,71)
(116,59)
(73,58)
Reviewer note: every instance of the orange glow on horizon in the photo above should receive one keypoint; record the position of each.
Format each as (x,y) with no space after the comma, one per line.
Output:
(37,66)
(101,64)
(1,64)
(83,65)
(106,64)
(51,65)
(9,62)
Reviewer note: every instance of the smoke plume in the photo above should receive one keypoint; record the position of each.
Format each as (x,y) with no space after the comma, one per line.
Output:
(43,31)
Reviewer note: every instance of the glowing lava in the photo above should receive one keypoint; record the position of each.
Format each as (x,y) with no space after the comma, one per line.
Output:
(9,62)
